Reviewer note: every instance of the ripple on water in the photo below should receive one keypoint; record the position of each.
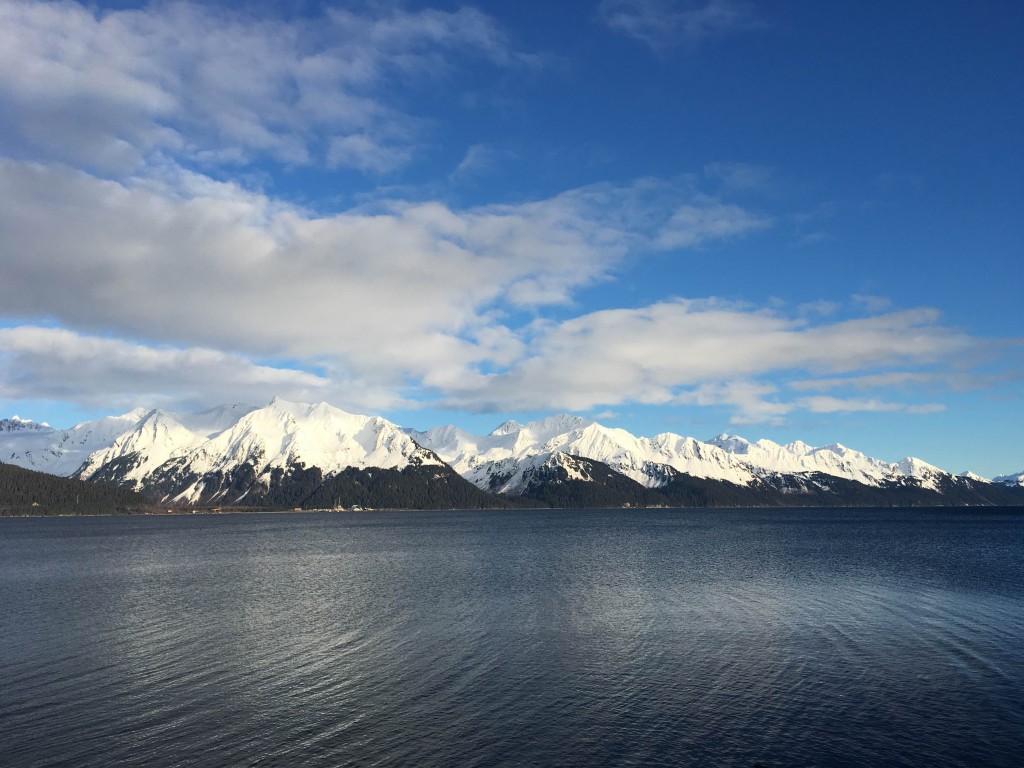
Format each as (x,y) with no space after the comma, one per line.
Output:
(616,638)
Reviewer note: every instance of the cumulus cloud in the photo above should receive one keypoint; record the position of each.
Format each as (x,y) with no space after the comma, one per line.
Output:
(754,402)
(58,364)
(708,352)
(171,287)
(401,296)
(105,88)
(405,290)
(404,299)
(751,402)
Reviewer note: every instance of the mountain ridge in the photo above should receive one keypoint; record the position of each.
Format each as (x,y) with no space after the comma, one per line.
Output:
(286,452)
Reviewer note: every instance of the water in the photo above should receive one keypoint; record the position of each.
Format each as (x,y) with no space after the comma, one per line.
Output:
(669,637)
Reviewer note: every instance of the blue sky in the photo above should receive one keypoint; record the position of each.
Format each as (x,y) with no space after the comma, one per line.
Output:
(783,220)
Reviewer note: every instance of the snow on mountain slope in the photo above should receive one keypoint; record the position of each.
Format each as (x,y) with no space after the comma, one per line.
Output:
(500,460)
(152,437)
(800,457)
(835,459)
(281,435)
(317,435)
(215,420)
(156,438)
(492,460)
(465,451)
(642,458)
(512,476)
(928,475)
(188,453)
(546,429)
(699,459)
(61,452)
(18,424)
(1017,479)
(140,446)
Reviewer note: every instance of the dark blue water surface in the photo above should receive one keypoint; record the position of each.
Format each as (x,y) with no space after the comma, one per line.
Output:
(668,637)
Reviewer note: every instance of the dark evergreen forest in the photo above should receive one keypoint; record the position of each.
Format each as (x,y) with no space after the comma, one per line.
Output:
(24,492)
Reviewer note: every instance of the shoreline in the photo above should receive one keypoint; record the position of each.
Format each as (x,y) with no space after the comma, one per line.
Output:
(261,511)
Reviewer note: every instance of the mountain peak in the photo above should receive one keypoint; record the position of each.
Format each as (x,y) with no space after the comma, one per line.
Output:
(18,424)
(798,447)
(557,424)
(507,428)
(972,476)
(232,447)
(912,466)
(730,443)
(1015,479)
(135,414)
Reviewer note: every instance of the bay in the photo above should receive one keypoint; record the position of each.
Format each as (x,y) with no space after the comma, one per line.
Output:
(600,637)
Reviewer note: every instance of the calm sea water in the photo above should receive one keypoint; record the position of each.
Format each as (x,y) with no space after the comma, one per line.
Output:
(671,637)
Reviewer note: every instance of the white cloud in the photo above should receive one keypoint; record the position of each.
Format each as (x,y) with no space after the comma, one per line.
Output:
(871,381)
(706,352)
(62,365)
(404,290)
(364,154)
(414,297)
(749,400)
(478,159)
(105,88)
(662,24)
(692,225)
(828,404)
(174,288)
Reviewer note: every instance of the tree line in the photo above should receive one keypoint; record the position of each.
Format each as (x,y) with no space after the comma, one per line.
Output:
(25,492)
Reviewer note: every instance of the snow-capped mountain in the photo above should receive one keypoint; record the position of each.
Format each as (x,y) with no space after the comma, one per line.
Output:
(159,437)
(299,454)
(18,424)
(492,461)
(1012,480)
(836,460)
(234,448)
(502,460)
(56,451)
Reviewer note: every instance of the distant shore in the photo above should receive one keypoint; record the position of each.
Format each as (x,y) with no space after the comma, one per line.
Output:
(209,511)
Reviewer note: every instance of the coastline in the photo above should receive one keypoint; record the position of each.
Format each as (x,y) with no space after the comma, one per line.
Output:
(226,511)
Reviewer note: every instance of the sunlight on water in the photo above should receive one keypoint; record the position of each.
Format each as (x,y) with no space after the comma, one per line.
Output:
(549,638)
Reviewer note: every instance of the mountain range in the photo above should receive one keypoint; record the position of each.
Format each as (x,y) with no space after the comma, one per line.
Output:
(288,454)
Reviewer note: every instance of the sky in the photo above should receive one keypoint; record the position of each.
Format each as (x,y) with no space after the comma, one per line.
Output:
(784,220)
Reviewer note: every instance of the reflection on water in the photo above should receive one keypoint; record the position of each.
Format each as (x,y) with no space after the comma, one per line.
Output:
(485,638)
